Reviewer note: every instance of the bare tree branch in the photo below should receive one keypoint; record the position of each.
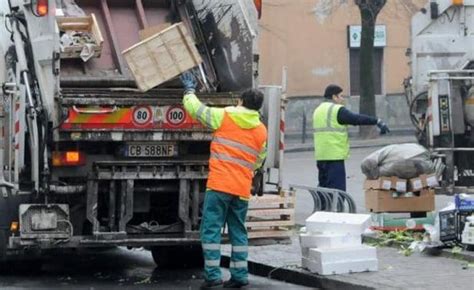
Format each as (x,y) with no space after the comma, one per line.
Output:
(324,8)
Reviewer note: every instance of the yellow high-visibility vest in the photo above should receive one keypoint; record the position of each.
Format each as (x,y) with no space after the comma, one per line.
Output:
(331,139)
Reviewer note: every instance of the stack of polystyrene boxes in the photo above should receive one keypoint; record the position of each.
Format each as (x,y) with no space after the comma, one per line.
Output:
(331,244)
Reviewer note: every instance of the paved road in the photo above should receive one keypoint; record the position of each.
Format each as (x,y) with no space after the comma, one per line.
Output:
(107,269)
(300,168)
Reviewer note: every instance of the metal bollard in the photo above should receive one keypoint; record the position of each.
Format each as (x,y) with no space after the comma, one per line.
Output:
(303,133)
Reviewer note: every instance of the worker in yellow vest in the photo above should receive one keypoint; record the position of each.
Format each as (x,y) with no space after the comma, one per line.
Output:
(238,148)
(331,138)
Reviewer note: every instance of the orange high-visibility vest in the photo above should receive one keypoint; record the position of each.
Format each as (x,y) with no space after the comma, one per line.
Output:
(234,152)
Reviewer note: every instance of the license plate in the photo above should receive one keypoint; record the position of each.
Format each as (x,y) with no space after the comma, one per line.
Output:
(150,150)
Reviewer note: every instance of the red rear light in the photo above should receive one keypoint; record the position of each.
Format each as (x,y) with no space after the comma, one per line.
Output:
(68,158)
(42,7)
(72,157)
(258,5)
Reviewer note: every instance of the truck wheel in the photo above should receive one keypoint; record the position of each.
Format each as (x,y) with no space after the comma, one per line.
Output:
(167,257)
(16,265)
(161,257)
(3,250)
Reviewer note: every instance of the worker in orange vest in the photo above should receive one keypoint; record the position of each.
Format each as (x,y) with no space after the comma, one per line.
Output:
(238,148)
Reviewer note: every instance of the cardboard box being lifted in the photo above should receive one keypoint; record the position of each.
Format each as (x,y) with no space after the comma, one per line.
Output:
(384,201)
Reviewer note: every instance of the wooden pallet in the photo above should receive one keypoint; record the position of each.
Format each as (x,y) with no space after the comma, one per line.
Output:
(162,57)
(84,24)
(271,216)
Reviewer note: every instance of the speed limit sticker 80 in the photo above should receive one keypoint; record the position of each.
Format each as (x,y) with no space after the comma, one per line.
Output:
(142,115)
(175,116)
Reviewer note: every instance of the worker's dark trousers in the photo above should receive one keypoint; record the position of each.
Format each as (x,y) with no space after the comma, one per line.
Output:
(220,208)
(332,174)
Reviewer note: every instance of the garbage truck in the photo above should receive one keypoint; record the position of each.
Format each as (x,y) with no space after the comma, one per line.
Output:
(440,90)
(88,160)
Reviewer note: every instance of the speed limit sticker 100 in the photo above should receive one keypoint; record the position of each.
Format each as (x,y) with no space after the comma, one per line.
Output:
(175,116)
(142,115)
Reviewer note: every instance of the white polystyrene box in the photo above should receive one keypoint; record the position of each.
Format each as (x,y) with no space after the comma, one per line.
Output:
(304,231)
(337,255)
(310,240)
(305,263)
(354,266)
(304,252)
(333,222)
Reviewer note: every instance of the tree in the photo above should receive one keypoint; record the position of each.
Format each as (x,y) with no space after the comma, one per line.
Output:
(369,9)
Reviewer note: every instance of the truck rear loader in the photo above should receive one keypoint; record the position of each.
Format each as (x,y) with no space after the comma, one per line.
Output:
(87,159)
(440,90)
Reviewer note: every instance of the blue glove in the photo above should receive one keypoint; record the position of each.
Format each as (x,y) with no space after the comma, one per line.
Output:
(189,82)
(382,127)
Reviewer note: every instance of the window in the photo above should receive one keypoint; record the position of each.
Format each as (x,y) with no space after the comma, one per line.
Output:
(354,58)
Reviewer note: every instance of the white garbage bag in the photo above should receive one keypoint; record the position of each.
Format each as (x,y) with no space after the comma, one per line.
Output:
(405,161)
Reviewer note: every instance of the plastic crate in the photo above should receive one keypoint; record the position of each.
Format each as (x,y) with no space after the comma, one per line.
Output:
(464,203)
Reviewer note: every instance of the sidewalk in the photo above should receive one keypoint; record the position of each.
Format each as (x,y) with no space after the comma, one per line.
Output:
(396,271)
(295,146)
(418,271)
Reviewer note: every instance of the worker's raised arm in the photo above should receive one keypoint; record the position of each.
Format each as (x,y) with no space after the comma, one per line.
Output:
(346,117)
(208,116)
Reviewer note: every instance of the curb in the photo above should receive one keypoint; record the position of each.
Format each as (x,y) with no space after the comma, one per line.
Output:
(355,144)
(310,148)
(295,276)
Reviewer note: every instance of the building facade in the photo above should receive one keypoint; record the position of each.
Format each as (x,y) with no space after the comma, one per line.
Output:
(317,41)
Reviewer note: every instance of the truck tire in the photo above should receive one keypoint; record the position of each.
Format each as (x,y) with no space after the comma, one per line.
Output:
(3,250)
(3,244)
(13,265)
(171,257)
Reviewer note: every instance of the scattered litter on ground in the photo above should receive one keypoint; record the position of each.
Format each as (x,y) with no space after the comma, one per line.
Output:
(144,281)
(406,251)
(468,266)
(456,250)
(394,237)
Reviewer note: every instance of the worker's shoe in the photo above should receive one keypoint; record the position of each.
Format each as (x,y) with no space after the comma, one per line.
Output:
(211,284)
(235,284)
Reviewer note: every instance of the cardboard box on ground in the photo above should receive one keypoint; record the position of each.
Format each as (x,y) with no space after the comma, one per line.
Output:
(392,194)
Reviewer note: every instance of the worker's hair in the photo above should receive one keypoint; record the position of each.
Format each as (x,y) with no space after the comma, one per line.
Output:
(332,90)
(252,99)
